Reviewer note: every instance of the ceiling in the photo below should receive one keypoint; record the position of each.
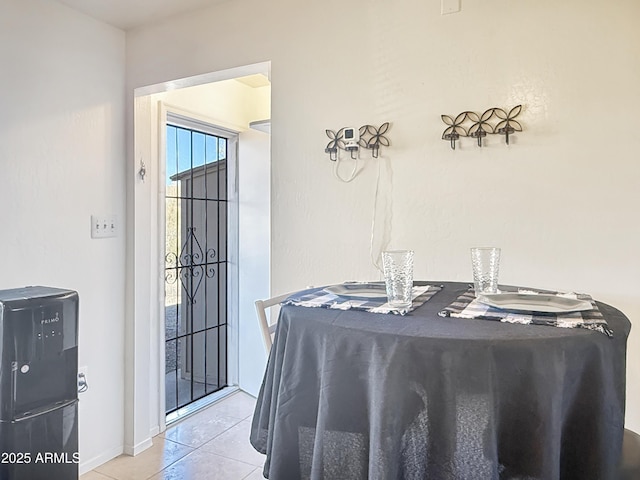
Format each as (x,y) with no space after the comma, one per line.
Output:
(127,14)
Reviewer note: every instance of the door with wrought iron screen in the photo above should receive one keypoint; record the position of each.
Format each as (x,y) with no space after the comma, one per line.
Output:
(195,262)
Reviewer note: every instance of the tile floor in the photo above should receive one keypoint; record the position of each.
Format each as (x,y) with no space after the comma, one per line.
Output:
(212,444)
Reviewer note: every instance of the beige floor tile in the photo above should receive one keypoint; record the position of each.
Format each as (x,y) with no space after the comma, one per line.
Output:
(174,449)
(199,429)
(238,405)
(234,443)
(160,455)
(93,475)
(201,465)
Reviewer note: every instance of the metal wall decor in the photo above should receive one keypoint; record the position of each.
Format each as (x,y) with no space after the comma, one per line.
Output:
(370,138)
(493,121)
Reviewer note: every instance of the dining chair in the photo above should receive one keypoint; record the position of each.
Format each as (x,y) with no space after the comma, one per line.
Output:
(268,327)
(630,468)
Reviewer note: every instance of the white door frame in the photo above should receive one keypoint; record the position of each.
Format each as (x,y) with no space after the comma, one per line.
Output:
(144,354)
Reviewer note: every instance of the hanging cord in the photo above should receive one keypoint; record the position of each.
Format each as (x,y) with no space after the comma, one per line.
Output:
(376,254)
(354,172)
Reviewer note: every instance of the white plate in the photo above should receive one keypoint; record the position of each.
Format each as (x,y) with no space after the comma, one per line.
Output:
(359,290)
(522,302)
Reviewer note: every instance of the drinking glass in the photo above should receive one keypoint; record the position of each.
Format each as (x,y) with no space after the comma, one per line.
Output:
(486,266)
(398,277)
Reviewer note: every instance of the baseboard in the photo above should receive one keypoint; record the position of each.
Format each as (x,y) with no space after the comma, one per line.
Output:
(154,431)
(104,457)
(134,450)
(87,466)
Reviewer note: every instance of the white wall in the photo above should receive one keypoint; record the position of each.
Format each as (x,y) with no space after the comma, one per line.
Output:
(61,160)
(254,225)
(561,200)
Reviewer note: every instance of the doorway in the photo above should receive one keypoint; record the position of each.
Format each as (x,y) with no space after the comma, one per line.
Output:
(196,259)
(230,100)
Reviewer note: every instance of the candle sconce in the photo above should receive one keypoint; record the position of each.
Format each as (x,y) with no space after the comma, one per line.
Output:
(492,121)
(351,140)
(336,142)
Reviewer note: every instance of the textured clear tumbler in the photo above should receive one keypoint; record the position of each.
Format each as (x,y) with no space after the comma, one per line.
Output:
(398,277)
(486,267)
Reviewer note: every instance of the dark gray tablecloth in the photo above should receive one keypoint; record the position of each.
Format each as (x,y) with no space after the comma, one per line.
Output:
(354,395)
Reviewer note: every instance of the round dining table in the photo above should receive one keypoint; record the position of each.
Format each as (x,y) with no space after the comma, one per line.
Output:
(357,395)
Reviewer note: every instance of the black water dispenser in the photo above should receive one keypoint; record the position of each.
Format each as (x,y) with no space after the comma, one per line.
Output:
(38,384)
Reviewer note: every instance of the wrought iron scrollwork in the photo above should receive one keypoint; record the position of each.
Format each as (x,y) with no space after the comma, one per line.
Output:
(190,266)
(189,255)
(470,124)
(171,268)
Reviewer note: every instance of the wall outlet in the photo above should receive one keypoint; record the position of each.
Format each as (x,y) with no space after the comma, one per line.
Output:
(449,6)
(103,226)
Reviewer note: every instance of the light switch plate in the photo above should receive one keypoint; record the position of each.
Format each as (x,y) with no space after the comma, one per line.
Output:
(103,226)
